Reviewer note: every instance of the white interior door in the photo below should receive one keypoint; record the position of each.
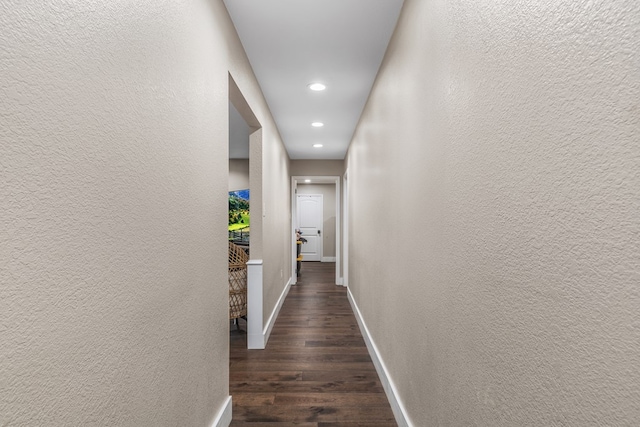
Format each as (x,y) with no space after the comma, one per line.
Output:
(309,208)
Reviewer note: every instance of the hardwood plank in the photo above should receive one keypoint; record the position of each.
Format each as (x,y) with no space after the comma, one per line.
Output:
(357,424)
(283,348)
(316,370)
(307,386)
(318,357)
(268,424)
(253,399)
(279,414)
(340,342)
(300,366)
(265,376)
(350,376)
(332,399)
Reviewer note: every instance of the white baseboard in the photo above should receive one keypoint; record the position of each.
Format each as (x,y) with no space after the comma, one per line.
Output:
(276,310)
(258,332)
(328,259)
(223,418)
(340,282)
(399,411)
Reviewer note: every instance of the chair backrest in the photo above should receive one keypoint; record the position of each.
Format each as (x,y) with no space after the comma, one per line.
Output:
(237,255)
(237,281)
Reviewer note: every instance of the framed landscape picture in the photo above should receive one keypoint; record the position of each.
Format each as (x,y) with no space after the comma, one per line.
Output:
(239,216)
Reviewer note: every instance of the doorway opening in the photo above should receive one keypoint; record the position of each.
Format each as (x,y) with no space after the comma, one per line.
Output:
(324,238)
(245,211)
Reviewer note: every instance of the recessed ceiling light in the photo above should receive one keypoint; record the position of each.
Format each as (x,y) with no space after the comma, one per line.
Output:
(307,180)
(317,124)
(317,86)
(317,145)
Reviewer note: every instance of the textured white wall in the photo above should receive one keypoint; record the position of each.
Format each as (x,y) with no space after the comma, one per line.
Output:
(239,132)
(238,174)
(317,167)
(495,199)
(113,171)
(276,221)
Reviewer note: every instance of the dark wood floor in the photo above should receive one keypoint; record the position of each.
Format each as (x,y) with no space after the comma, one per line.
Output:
(315,371)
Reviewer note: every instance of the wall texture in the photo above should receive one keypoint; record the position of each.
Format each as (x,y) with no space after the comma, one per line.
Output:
(276,221)
(239,132)
(317,167)
(328,192)
(238,174)
(113,247)
(494,198)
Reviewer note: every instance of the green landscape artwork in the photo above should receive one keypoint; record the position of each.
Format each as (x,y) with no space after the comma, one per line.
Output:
(239,219)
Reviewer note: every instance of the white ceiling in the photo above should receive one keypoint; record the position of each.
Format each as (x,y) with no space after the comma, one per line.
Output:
(292,43)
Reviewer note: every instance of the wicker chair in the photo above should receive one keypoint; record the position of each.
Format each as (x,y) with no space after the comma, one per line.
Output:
(237,282)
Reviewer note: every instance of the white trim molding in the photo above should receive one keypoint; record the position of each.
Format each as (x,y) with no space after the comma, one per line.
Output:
(223,418)
(344,280)
(274,314)
(330,179)
(255,338)
(328,259)
(399,411)
(257,333)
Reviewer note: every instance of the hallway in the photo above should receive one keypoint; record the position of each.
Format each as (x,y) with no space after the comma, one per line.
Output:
(315,371)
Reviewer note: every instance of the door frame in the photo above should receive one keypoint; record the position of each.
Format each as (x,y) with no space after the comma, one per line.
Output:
(294,214)
(345,230)
(255,291)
